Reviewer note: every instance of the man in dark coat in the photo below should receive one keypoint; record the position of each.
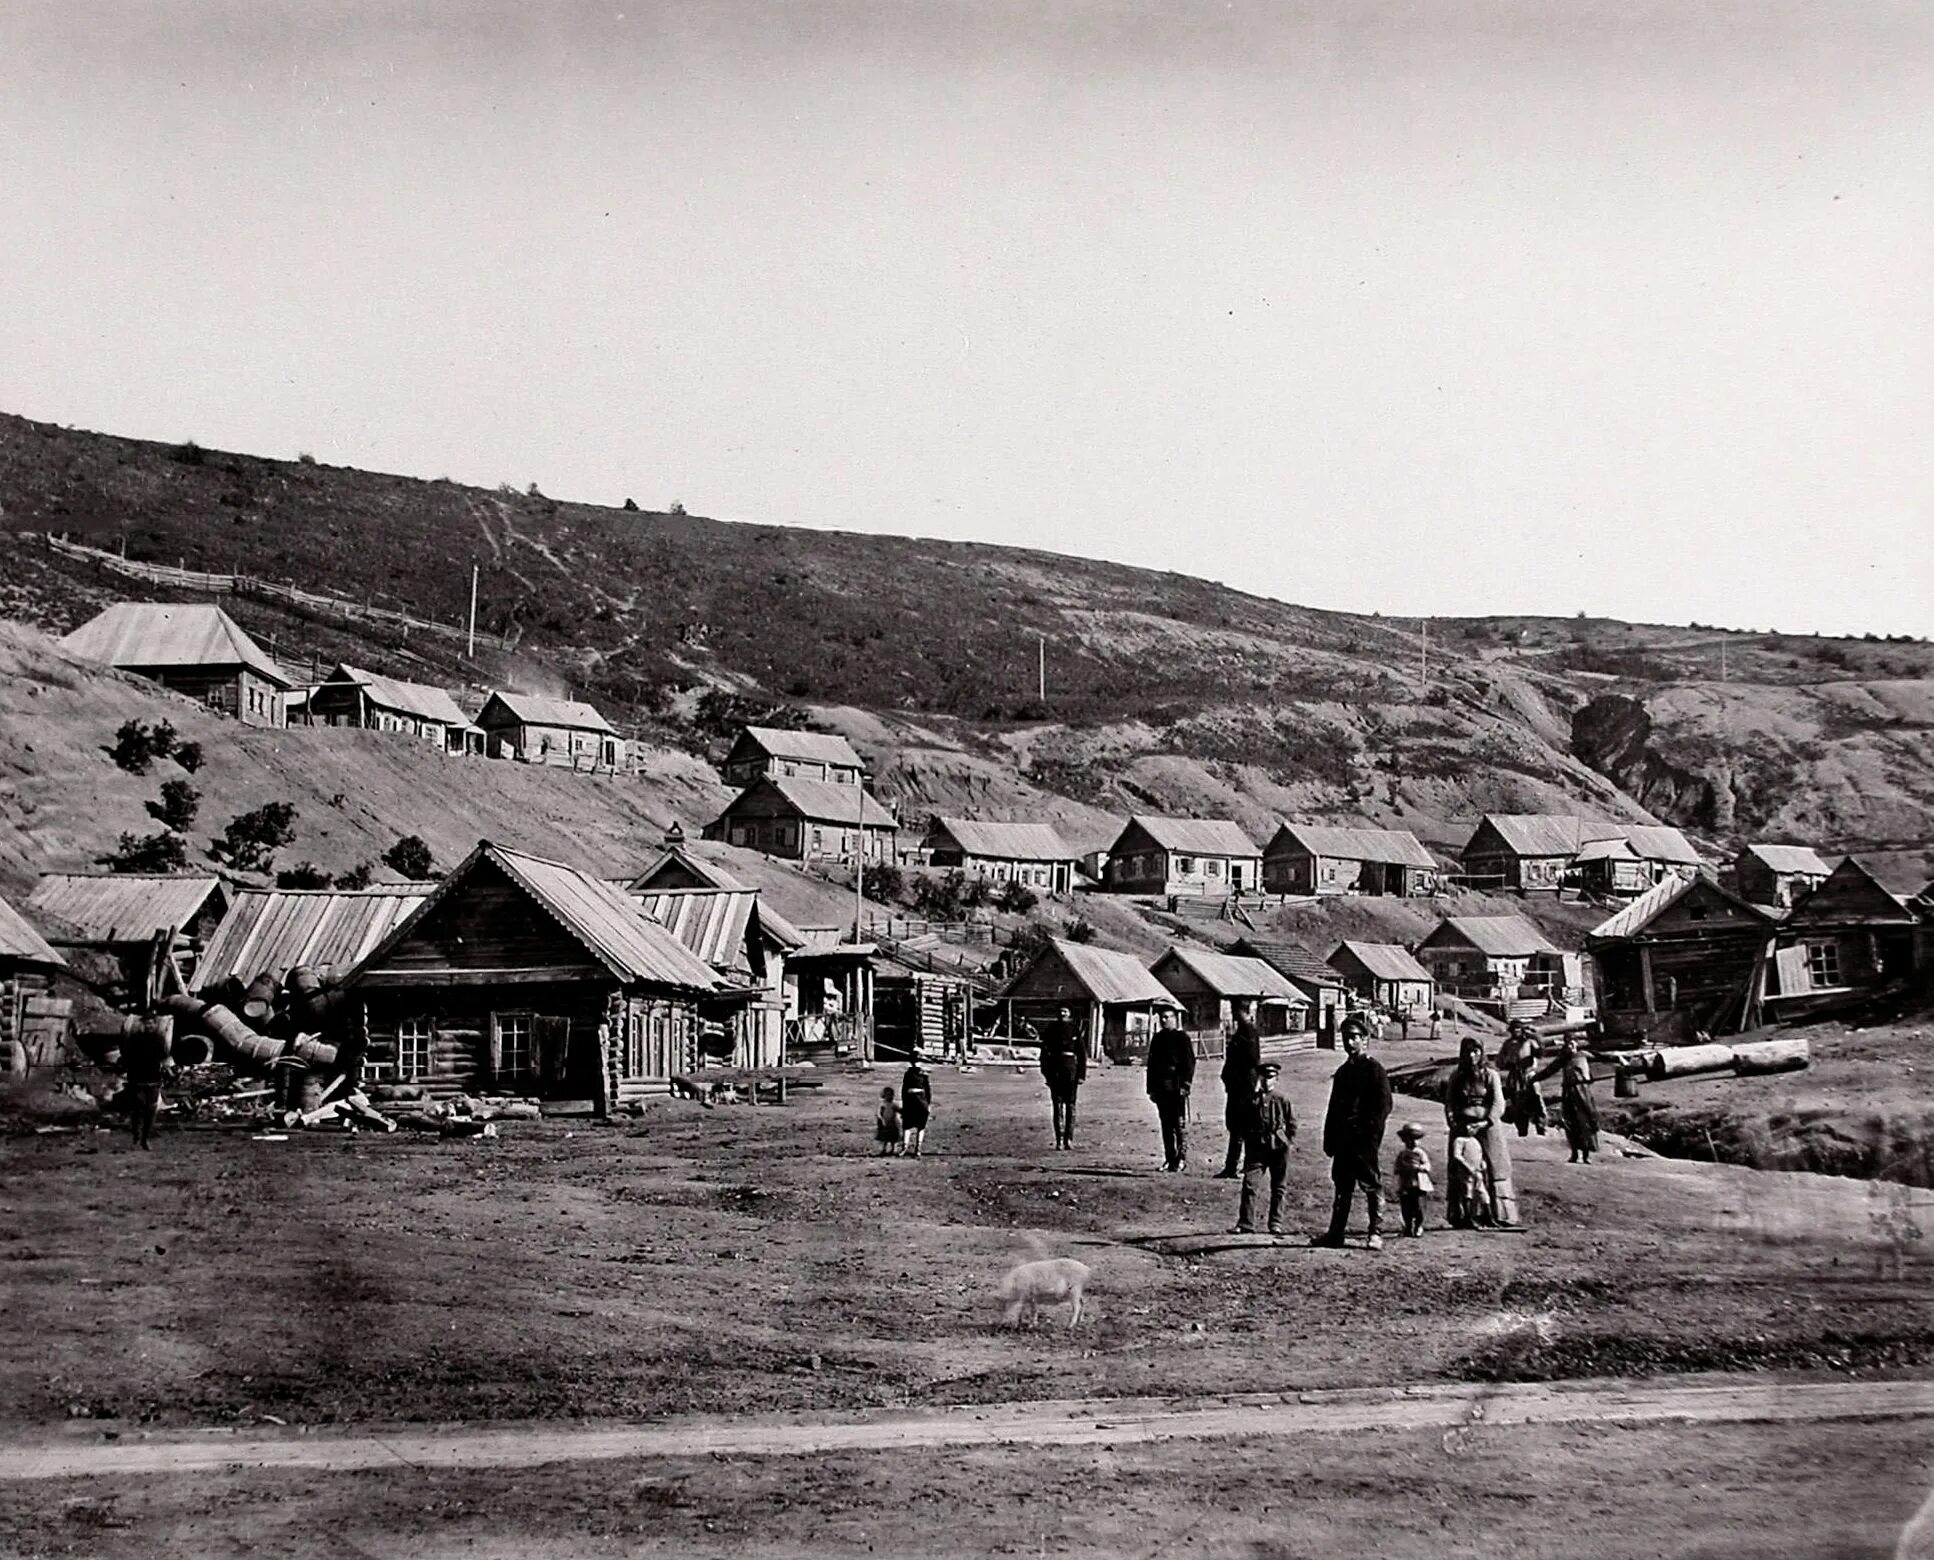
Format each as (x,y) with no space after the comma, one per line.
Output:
(1064,1063)
(1241,1058)
(1353,1135)
(1171,1073)
(144,1064)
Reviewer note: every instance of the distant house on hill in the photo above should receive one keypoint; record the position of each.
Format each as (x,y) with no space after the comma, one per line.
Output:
(1209,984)
(350,696)
(195,650)
(1850,934)
(1031,853)
(523,975)
(1498,961)
(1157,855)
(1778,875)
(807,820)
(549,731)
(1308,858)
(1385,974)
(1529,850)
(118,913)
(769,751)
(1682,958)
(1112,996)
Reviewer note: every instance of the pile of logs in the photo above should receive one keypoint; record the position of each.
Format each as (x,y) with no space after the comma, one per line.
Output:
(1752,1060)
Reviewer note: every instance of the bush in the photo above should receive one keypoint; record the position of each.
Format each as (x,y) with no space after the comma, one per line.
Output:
(1081,930)
(304,874)
(159,852)
(411,858)
(304,458)
(134,747)
(188,453)
(179,803)
(250,841)
(883,883)
(359,876)
(1016,897)
(163,739)
(1029,943)
(188,755)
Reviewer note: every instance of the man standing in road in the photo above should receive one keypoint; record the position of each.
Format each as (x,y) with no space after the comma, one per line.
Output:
(1241,1056)
(1064,1064)
(1353,1135)
(1171,1072)
(144,1063)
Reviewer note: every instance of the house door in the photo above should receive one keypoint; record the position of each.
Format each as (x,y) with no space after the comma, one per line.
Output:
(1235,877)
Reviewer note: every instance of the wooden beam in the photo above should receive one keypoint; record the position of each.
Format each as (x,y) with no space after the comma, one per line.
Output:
(530,974)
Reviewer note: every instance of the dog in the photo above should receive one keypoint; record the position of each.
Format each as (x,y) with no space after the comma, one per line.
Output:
(1049,1281)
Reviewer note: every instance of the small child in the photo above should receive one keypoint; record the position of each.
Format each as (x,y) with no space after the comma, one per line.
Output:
(888,1129)
(1467,1176)
(1413,1179)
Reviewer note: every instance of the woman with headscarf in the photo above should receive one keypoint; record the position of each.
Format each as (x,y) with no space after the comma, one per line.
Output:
(1474,1108)
(1576,1107)
(1524,1104)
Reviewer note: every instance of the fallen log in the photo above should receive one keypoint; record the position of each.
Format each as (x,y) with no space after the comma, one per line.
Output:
(1771,1056)
(1680,1060)
(232,1038)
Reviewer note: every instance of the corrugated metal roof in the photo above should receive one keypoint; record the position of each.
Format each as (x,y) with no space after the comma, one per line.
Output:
(1230,975)
(1656,842)
(825,801)
(1195,836)
(815,747)
(1007,841)
(330,930)
(1297,963)
(529,710)
(18,940)
(121,907)
(1108,976)
(1788,858)
(1392,847)
(408,698)
(1500,936)
(1383,961)
(713,922)
(140,635)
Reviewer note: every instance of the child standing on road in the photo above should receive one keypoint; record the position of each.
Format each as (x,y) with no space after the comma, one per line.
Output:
(1413,1179)
(887,1130)
(1467,1179)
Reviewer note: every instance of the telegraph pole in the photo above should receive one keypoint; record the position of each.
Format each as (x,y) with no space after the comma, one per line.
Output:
(1423,655)
(471,653)
(1041,665)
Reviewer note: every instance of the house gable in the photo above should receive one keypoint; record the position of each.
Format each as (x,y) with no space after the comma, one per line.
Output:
(482,926)
(1850,895)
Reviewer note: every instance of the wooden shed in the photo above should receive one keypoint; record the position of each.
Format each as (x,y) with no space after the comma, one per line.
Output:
(368,701)
(917,1008)
(1112,996)
(1685,956)
(1528,850)
(1849,935)
(1209,984)
(199,651)
(759,752)
(118,913)
(807,820)
(549,731)
(1778,875)
(1030,853)
(1308,858)
(528,976)
(27,966)
(1386,975)
(1157,855)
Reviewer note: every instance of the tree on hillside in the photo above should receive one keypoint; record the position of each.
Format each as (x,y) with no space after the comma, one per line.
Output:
(188,755)
(157,852)
(359,876)
(250,841)
(133,748)
(411,857)
(179,803)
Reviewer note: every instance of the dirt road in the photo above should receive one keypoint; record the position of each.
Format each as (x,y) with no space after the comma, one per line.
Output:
(1080,1423)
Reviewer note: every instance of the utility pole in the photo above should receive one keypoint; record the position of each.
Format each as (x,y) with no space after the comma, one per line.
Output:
(471,653)
(1042,669)
(1423,656)
(859,861)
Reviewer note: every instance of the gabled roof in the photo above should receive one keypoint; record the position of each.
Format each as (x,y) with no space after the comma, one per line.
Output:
(1229,975)
(1657,842)
(1297,963)
(392,693)
(121,907)
(717,923)
(812,747)
(1656,900)
(1500,936)
(822,801)
(1381,961)
(1108,976)
(599,916)
(1787,858)
(675,861)
(276,930)
(1545,834)
(19,941)
(528,710)
(1006,841)
(1192,836)
(1607,850)
(1851,895)
(1390,847)
(140,635)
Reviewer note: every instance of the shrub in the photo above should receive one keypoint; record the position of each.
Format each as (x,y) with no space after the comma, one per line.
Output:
(1081,930)
(883,883)
(179,803)
(158,852)
(304,458)
(134,747)
(250,841)
(1029,942)
(1016,897)
(410,857)
(359,876)
(188,755)
(188,453)
(304,874)
(163,739)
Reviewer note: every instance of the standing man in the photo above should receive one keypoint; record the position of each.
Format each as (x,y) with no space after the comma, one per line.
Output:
(1171,1072)
(1267,1134)
(144,1062)
(1353,1135)
(1064,1064)
(1240,1058)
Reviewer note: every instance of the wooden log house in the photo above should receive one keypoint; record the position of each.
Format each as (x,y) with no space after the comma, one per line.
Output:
(1307,973)
(1686,956)
(368,701)
(1208,985)
(199,651)
(807,820)
(526,976)
(1850,935)
(1777,875)
(1196,856)
(747,946)
(1321,859)
(1500,962)
(1030,853)
(565,732)
(27,965)
(759,752)
(1385,975)
(1112,997)
(118,913)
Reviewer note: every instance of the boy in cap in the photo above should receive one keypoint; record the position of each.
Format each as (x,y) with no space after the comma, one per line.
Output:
(1413,1178)
(1269,1128)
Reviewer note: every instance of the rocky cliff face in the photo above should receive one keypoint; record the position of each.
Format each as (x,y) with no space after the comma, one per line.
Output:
(1613,734)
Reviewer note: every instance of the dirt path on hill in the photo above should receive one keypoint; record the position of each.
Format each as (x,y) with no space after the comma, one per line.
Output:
(1089,1422)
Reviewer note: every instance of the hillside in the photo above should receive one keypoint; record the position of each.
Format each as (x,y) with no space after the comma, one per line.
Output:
(1163,692)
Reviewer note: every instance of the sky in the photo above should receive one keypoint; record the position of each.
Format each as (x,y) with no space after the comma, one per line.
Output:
(1412,306)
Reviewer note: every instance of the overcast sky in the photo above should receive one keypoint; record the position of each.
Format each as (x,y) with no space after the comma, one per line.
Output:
(1414,306)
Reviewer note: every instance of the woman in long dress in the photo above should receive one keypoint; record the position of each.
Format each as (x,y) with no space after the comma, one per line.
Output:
(1576,1107)
(1474,1108)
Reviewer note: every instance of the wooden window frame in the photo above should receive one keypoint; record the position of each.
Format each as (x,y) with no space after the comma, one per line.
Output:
(526,1032)
(1823,965)
(415,1046)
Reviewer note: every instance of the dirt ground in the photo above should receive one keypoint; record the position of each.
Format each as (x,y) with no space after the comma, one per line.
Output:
(744,1259)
